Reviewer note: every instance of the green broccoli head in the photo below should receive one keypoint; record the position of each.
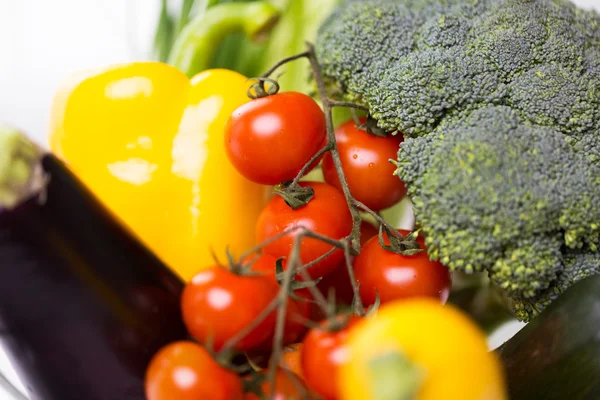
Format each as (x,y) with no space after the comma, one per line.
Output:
(499,101)
(499,194)
(577,265)
(417,63)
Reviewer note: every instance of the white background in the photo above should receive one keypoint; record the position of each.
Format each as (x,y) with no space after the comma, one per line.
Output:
(43,41)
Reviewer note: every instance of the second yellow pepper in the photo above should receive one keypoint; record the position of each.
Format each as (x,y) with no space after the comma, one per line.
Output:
(148,141)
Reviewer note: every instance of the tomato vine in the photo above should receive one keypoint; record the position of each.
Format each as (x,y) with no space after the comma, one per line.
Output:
(350,244)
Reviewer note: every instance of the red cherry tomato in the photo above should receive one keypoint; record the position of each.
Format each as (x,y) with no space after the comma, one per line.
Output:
(398,277)
(264,264)
(327,214)
(323,351)
(297,313)
(338,279)
(367,231)
(217,304)
(288,386)
(365,161)
(338,282)
(270,139)
(186,371)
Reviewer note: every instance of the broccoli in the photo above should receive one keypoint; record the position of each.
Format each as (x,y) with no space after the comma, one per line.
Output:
(501,194)
(499,102)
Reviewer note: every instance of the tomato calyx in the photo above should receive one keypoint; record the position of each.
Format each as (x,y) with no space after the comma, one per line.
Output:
(242,268)
(294,284)
(259,90)
(228,358)
(253,383)
(396,243)
(370,126)
(294,195)
(394,377)
(375,307)
(337,322)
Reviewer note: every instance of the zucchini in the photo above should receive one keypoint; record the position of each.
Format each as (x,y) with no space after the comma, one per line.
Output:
(83,305)
(557,355)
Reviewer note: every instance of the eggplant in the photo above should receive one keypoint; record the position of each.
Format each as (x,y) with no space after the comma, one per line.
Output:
(83,304)
(557,355)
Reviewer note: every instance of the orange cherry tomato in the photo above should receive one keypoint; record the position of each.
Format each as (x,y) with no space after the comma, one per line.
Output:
(291,360)
(186,371)
(287,387)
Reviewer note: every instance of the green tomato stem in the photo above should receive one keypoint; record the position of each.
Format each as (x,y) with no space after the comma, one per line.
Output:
(197,43)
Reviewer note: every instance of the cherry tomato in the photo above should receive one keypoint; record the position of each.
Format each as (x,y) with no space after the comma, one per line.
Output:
(218,304)
(338,279)
(365,161)
(264,264)
(339,282)
(291,360)
(186,371)
(367,231)
(327,214)
(323,353)
(270,139)
(288,386)
(399,277)
(297,312)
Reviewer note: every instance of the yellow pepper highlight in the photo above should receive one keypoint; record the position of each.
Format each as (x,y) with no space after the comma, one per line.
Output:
(149,143)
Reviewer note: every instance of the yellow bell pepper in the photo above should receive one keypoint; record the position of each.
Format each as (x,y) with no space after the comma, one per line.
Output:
(148,142)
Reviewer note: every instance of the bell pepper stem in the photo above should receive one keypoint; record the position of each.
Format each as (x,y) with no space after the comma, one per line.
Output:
(394,377)
(195,47)
(20,172)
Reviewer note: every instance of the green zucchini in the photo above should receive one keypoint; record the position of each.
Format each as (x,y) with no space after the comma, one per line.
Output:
(557,355)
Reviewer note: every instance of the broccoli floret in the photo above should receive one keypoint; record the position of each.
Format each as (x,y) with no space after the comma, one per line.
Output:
(413,63)
(576,266)
(498,194)
(501,195)
(499,102)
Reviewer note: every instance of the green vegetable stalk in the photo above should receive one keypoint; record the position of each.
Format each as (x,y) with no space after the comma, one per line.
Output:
(300,20)
(245,36)
(201,37)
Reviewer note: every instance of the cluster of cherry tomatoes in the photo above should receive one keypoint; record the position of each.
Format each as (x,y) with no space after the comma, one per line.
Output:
(269,140)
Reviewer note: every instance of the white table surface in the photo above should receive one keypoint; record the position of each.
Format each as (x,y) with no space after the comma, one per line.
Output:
(43,41)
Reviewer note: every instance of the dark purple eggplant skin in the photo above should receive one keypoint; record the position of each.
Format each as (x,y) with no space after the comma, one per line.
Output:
(557,355)
(83,304)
